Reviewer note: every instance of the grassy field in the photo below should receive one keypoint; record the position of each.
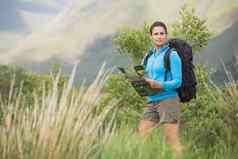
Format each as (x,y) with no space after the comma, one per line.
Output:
(66,124)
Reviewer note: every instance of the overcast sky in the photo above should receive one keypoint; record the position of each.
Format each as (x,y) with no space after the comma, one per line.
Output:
(16,15)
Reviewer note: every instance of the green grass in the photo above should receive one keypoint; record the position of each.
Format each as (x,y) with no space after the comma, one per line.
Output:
(130,145)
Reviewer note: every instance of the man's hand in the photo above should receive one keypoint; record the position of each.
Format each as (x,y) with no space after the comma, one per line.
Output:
(154,84)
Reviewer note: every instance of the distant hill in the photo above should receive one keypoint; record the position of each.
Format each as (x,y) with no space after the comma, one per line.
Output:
(98,52)
(222,49)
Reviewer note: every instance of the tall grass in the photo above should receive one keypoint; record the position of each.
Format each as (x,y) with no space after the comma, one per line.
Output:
(66,124)
(61,124)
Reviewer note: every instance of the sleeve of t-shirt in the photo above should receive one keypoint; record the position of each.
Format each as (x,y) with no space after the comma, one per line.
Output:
(176,71)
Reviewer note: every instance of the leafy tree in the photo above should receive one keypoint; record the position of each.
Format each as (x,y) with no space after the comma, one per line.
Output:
(191,28)
(128,103)
(133,42)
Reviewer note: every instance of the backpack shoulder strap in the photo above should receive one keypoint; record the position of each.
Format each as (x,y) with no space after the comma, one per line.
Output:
(146,57)
(167,62)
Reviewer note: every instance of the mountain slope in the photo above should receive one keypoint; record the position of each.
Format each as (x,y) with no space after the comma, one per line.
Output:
(222,51)
(74,29)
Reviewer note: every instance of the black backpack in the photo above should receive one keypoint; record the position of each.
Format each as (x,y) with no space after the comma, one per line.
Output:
(187,91)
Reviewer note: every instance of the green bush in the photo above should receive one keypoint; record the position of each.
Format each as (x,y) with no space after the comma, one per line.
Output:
(129,104)
(15,80)
(211,118)
(33,84)
(201,120)
(10,78)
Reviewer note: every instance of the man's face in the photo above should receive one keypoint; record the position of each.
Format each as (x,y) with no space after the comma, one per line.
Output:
(158,36)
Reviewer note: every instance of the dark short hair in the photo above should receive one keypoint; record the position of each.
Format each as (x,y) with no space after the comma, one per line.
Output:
(157,24)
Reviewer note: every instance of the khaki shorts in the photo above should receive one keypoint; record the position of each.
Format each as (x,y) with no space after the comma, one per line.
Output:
(166,111)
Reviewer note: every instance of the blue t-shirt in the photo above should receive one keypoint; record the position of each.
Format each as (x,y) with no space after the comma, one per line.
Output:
(155,70)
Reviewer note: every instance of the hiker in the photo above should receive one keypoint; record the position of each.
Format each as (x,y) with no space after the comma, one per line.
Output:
(163,108)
